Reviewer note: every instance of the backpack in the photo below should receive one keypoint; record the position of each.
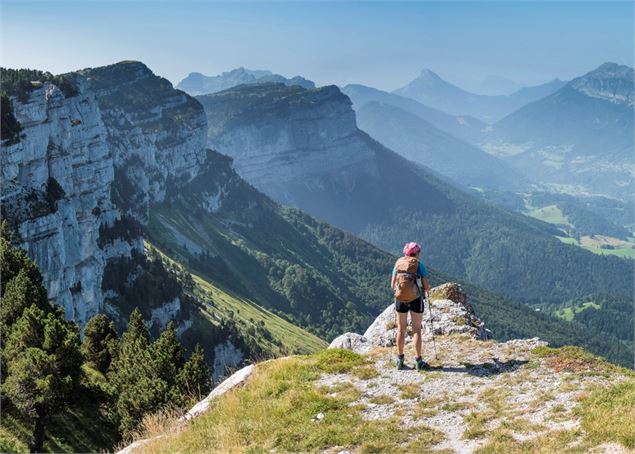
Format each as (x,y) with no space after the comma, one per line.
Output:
(406,288)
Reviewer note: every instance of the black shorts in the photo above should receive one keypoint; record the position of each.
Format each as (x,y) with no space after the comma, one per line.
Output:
(414,306)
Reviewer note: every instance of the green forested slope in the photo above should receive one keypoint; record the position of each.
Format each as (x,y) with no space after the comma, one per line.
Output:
(313,274)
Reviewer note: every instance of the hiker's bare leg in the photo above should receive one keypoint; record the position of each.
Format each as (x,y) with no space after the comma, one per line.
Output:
(416,331)
(402,324)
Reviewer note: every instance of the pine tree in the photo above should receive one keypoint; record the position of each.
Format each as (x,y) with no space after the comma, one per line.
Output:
(100,342)
(168,357)
(195,378)
(43,362)
(20,293)
(134,376)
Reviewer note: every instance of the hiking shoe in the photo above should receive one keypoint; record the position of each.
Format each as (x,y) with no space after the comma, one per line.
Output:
(400,363)
(421,364)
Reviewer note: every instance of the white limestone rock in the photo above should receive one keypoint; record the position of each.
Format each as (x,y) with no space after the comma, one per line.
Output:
(239,378)
(352,341)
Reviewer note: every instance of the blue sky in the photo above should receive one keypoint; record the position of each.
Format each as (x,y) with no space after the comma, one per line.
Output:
(383,44)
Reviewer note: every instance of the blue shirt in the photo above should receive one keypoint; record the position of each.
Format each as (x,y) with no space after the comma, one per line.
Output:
(421,271)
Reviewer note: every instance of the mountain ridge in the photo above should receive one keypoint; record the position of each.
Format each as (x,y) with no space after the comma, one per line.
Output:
(579,138)
(343,192)
(430,89)
(200,84)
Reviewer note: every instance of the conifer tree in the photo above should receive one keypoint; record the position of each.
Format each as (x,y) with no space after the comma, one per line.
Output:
(195,378)
(100,342)
(43,362)
(168,357)
(133,373)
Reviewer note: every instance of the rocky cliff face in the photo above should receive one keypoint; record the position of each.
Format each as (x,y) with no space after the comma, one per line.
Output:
(87,168)
(282,138)
(156,134)
(56,192)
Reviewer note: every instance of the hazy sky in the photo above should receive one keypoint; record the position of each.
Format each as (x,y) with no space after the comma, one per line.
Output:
(383,44)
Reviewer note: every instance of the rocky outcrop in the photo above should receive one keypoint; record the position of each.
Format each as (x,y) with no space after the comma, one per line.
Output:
(448,313)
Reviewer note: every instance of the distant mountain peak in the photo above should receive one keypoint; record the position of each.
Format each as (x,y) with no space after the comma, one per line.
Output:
(610,81)
(199,84)
(425,72)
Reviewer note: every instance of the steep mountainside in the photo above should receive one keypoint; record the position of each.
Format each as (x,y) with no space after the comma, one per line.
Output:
(419,141)
(199,84)
(464,127)
(579,139)
(432,90)
(477,396)
(78,186)
(302,148)
(306,271)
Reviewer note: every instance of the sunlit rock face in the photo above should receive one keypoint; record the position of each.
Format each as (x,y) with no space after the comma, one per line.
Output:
(56,190)
(89,164)
(156,134)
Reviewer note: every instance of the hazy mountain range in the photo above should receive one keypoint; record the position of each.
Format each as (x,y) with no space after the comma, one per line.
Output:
(578,139)
(199,84)
(303,148)
(433,91)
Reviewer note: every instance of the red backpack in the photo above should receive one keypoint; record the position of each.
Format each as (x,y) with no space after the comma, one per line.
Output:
(406,288)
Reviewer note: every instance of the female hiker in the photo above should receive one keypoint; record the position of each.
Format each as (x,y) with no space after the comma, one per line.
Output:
(410,298)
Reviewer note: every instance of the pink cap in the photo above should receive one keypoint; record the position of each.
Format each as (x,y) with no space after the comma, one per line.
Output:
(411,248)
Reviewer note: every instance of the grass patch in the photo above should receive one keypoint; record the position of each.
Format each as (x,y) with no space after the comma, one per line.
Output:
(410,391)
(381,400)
(338,360)
(520,425)
(608,414)
(502,441)
(429,407)
(551,214)
(578,360)
(476,423)
(278,408)
(455,406)
(365,372)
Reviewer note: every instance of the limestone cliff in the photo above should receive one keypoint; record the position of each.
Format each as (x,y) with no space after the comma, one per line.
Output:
(284,138)
(56,191)
(85,170)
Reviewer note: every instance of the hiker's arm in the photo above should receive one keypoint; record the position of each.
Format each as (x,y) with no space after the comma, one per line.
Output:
(426,285)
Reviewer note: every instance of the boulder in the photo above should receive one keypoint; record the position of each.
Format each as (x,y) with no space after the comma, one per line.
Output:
(352,341)
(449,313)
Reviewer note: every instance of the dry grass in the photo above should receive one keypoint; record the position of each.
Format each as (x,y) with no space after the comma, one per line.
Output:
(165,421)
(608,414)
(365,372)
(502,441)
(410,391)
(278,410)
(382,399)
